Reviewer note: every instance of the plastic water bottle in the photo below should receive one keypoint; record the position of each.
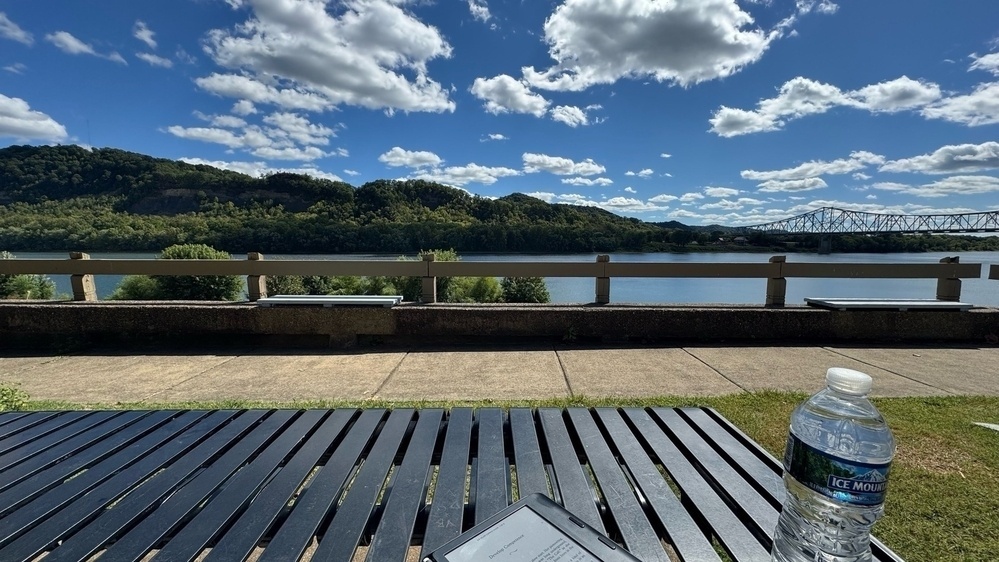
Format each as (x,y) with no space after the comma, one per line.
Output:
(836,465)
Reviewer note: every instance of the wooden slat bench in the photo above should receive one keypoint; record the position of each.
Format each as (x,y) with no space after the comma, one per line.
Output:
(331,300)
(377,485)
(885,304)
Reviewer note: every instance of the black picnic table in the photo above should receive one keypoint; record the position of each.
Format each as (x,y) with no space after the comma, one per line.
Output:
(373,484)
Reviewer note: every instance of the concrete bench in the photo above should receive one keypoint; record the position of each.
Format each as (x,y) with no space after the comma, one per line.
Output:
(386,301)
(885,304)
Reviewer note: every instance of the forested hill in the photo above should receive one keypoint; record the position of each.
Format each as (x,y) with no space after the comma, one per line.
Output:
(59,197)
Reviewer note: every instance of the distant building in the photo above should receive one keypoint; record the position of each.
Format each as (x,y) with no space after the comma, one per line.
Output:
(741,240)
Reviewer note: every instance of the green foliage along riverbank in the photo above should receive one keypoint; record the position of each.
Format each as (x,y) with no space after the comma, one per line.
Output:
(99,200)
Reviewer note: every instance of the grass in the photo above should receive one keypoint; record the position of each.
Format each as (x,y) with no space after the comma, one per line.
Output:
(944,491)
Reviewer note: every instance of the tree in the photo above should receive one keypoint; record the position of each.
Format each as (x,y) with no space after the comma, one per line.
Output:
(136,288)
(525,289)
(197,287)
(24,286)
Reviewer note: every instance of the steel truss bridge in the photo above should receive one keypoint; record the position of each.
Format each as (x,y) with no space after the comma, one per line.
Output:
(831,220)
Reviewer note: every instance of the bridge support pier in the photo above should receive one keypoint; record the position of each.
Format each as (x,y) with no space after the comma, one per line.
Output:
(825,245)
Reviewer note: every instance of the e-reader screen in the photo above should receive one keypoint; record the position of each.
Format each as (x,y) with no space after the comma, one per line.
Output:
(523,536)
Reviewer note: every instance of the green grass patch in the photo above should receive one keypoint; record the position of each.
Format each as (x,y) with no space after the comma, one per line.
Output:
(944,490)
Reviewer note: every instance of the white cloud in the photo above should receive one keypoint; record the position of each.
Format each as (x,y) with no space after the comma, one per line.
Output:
(560,166)
(297,128)
(69,44)
(730,205)
(988,63)
(570,115)
(12,31)
(719,192)
(801,96)
(260,169)
(19,121)
(470,173)
(290,153)
(479,10)
(411,159)
(665,155)
(690,197)
(588,181)
(155,60)
(504,94)
(858,160)
(613,204)
(663,198)
(253,91)
(804,184)
(494,137)
(16,68)
(229,121)
(370,53)
(860,176)
(871,196)
(352,172)
(954,185)
(218,136)
(980,107)
(680,42)
(142,32)
(949,159)
(244,107)
(630,190)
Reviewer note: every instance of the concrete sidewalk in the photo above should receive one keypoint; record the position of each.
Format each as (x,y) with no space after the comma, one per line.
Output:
(500,373)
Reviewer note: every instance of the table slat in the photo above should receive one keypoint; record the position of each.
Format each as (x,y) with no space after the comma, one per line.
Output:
(22,422)
(351,518)
(637,533)
(491,473)
(408,492)
(698,494)
(31,446)
(45,432)
(531,477)
(681,530)
(72,516)
(15,471)
(447,510)
(251,526)
(572,484)
(298,530)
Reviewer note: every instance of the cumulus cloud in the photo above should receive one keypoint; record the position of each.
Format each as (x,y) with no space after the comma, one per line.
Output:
(251,139)
(858,160)
(613,204)
(290,153)
(801,96)
(142,32)
(980,107)
(954,185)
(298,129)
(690,197)
(12,31)
(494,137)
(470,173)
(630,190)
(861,176)
(352,172)
(588,181)
(665,155)
(244,107)
(560,166)
(663,198)
(479,10)
(730,205)
(949,159)
(804,184)
(260,169)
(69,44)
(410,158)
(720,192)
(370,53)
(19,121)
(155,60)
(570,115)
(988,63)
(505,94)
(681,42)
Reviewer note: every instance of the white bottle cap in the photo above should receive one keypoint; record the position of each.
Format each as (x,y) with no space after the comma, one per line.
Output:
(848,381)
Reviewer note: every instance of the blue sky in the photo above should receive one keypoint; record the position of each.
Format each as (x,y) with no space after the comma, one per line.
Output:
(703,111)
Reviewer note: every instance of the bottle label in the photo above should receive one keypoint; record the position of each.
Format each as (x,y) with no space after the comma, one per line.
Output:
(843,480)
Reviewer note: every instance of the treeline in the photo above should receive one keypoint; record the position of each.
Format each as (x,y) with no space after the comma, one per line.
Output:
(52,198)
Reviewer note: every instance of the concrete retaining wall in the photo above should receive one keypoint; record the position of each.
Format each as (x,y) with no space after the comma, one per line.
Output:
(47,322)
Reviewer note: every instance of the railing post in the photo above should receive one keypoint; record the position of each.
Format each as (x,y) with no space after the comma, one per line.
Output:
(603,283)
(949,288)
(429,281)
(256,285)
(777,286)
(84,288)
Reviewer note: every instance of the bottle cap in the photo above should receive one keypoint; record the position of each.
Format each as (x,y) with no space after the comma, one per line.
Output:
(848,381)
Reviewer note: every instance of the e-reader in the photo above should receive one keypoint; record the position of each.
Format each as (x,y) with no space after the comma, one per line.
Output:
(535,529)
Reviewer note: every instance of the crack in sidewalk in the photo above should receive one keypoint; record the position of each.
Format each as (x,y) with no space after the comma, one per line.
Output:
(192,377)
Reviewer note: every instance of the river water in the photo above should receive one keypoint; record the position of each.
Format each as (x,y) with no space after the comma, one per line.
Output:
(980,292)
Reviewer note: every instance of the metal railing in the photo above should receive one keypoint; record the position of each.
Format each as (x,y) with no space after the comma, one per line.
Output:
(948,272)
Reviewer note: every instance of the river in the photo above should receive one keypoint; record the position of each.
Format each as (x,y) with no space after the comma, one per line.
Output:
(980,292)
